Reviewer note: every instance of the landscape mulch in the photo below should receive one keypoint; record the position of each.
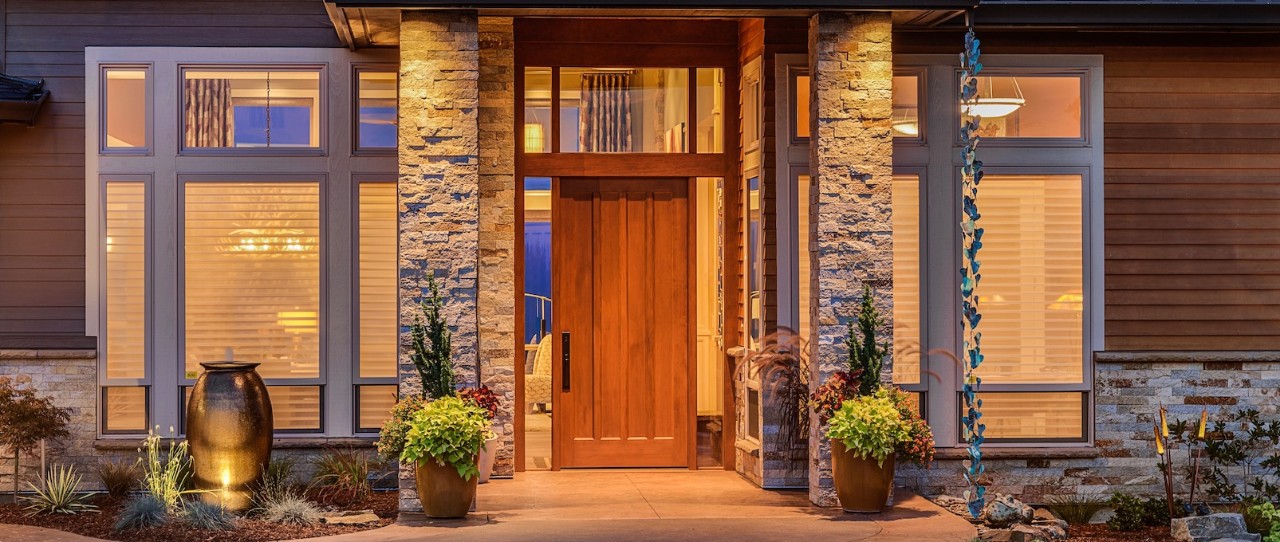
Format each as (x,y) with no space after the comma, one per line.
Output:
(99,524)
(1100,533)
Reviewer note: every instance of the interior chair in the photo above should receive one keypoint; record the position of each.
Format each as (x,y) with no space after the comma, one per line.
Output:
(537,385)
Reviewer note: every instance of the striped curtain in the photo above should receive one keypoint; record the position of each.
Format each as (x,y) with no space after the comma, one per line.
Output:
(605,120)
(209,114)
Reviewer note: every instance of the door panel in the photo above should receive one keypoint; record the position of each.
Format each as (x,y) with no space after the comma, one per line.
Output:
(620,252)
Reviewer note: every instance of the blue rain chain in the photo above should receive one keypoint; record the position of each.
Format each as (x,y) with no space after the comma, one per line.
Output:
(969,275)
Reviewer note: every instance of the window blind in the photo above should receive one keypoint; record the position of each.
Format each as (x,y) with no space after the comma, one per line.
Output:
(906,279)
(1031,295)
(379,326)
(1034,415)
(252,276)
(126,280)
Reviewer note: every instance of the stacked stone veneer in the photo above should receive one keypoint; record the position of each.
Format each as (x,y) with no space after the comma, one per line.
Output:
(70,377)
(851,65)
(496,303)
(1128,396)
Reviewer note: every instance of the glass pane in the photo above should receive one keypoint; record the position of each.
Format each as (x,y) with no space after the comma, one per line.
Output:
(755,265)
(624,110)
(1033,415)
(379,325)
(375,404)
(906,106)
(295,408)
(906,279)
(252,276)
(125,108)
(537,323)
(126,280)
(710,110)
(537,110)
(126,409)
(709,319)
(1039,106)
(1031,295)
(804,267)
(801,115)
(377,96)
(237,108)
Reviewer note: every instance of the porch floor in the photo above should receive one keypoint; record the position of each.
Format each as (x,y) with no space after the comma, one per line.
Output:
(648,505)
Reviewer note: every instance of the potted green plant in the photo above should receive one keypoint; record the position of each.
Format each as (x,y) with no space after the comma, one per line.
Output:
(868,434)
(488,401)
(443,441)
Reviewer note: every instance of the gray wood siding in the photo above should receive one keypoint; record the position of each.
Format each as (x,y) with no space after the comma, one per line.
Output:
(42,205)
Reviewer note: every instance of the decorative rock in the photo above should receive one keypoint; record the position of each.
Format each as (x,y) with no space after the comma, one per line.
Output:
(1005,510)
(955,505)
(1045,515)
(1041,532)
(1001,535)
(1102,516)
(1210,528)
(351,517)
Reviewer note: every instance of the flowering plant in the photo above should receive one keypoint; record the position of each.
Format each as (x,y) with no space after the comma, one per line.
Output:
(918,447)
(482,397)
(396,428)
(840,387)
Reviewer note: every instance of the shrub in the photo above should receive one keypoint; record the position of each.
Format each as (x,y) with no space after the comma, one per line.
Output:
(210,517)
(119,477)
(1155,511)
(1076,509)
(1262,518)
(58,493)
(141,512)
(870,426)
(865,356)
(342,477)
(166,475)
(292,510)
(276,483)
(25,420)
(432,351)
(396,428)
(1129,512)
(449,431)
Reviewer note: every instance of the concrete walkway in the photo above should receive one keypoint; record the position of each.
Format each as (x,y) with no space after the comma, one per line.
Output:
(646,505)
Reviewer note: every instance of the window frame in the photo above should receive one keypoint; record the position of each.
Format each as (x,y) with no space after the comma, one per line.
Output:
(358,149)
(336,167)
(324,108)
(357,381)
(938,166)
(149,122)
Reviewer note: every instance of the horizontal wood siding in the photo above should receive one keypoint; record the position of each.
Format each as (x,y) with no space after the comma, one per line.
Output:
(1192,141)
(42,205)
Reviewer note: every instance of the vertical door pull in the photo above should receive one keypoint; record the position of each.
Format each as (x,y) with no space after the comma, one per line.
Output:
(565,364)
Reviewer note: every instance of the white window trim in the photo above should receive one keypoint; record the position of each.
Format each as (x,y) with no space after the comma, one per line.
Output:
(165,166)
(938,166)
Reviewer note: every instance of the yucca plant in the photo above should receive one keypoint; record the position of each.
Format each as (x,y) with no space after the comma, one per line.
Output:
(119,477)
(58,493)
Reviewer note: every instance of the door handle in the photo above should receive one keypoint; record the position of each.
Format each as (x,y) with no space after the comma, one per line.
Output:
(565,363)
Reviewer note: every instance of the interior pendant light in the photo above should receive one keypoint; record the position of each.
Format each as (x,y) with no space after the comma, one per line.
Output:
(992,106)
(906,123)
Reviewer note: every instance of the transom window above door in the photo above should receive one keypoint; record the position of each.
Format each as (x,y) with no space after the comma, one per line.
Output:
(623,110)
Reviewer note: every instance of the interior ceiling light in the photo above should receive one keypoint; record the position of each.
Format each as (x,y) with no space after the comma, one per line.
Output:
(991,106)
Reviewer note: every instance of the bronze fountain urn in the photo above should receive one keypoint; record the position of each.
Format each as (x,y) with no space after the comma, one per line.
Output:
(229,428)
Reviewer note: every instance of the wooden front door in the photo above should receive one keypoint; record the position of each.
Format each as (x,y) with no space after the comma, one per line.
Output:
(622,340)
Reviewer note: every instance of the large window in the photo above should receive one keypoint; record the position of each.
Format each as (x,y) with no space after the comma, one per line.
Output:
(206,250)
(1040,202)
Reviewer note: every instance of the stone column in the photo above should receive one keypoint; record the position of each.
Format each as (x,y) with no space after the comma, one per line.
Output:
(439,186)
(851,157)
(497,227)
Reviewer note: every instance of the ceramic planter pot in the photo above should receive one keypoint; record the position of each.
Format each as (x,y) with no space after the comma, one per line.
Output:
(861,484)
(229,428)
(443,492)
(487,455)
